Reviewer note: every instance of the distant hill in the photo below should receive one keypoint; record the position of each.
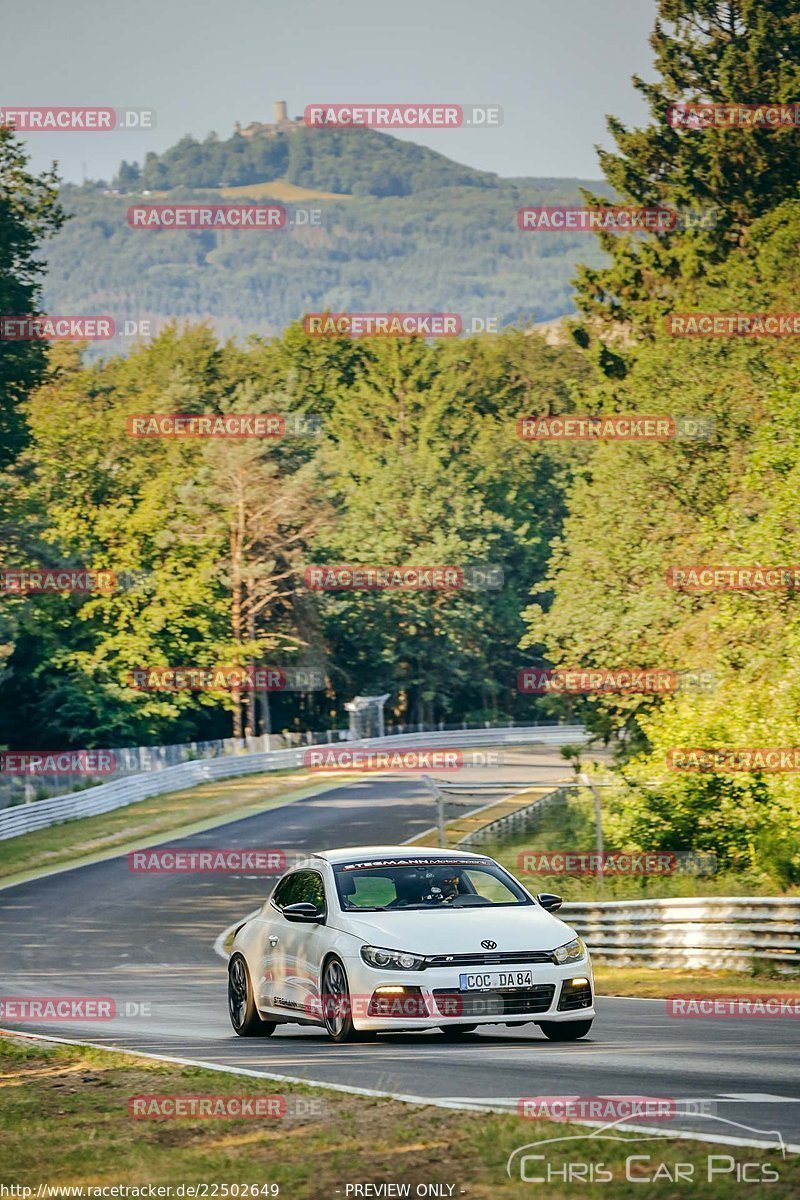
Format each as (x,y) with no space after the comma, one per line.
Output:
(360,162)
(403,228)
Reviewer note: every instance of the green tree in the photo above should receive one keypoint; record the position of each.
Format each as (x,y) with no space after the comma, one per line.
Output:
(164,515)
(636,510)
(263,519)
(29,214)
(742,51)
(128,177)
(425,468)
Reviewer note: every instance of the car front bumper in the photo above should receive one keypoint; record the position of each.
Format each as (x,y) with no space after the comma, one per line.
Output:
(441,1002)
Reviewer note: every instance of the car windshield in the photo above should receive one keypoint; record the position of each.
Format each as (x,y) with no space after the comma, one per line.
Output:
(425,884)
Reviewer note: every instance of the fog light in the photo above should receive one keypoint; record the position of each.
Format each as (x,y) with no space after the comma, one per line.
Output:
(397,1001)
(575,993)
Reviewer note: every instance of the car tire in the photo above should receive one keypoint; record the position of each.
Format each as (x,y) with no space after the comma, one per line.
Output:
(456,1031)
(242,1009)
(337,1007)
(565,1031)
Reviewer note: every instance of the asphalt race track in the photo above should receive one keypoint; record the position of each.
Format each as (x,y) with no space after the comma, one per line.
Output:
(147,940)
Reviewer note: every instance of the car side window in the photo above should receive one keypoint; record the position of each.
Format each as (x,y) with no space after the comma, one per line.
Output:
(285,891)
(300,887)
(313,889)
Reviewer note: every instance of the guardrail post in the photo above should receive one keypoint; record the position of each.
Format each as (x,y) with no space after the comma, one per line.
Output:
(598,831)
(439,798)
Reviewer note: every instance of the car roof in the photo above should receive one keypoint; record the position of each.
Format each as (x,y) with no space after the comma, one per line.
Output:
(354,854)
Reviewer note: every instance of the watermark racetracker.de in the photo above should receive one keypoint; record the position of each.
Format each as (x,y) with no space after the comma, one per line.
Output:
(615,427)
(622,680)
(378,577)
(391,115)
(72,1008)
(227,679)
(81,581)
(611,1108)
(612,863)
(51,119)
(753,577)
(562,218)
(269,425)
(397,324)
(742,324)
(425,759)
(259,218)
(722,1007)
(734,759)
(730,115)
(57,762)
(211,1106)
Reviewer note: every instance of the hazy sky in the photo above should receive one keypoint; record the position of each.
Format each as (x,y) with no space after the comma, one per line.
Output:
(555,66)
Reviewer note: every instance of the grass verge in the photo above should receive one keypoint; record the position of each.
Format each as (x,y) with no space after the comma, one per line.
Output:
(64,1120)
(569,826)
(180,813)
(656,983)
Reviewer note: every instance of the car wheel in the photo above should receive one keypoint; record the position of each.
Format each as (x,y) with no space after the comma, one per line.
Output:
(241,1003)
(456,1031)
(565,1031)
(337,1009)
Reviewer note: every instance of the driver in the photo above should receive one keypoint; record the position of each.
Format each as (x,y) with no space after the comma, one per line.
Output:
(411,888)
(444,887)
(438,885)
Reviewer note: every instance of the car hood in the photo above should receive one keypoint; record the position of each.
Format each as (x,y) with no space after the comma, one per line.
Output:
(459,931)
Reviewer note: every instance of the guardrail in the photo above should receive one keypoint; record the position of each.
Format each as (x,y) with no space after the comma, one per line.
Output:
(511,822)
(118,793)
(730,932)
(733,932)
(136,760)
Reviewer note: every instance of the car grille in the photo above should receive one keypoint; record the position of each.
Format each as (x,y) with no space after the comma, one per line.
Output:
(489,958)
(452,1003)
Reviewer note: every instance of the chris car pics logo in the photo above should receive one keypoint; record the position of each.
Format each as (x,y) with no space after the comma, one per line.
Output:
(617,1153)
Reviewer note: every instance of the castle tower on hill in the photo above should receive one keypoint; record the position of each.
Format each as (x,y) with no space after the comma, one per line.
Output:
(282,123)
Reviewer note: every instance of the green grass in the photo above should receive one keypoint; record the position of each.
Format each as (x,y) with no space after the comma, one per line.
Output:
(64,1119)
(569,826)
(657,982)
(140,824)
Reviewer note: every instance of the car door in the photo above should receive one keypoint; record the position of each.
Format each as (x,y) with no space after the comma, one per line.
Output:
(270,928)
(295,948)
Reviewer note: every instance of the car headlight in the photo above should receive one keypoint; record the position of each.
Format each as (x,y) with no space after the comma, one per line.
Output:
(394,960)
(571,952)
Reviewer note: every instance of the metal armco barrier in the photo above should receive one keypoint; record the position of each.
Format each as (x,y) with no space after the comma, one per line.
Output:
(120,792)
(732,932)
(729,932)
(514,822)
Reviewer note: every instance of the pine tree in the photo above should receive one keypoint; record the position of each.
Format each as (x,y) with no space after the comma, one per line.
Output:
(742,51)
(29,212)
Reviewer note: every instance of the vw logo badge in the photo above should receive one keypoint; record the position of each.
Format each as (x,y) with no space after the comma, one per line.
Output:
(489,945)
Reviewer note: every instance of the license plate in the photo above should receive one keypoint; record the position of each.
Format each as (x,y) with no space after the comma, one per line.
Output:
(490,981)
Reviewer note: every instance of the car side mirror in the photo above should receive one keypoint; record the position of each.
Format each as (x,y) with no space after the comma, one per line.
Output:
(549,901)
(304,911)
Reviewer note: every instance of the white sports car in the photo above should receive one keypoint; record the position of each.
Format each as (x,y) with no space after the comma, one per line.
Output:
(383,938)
